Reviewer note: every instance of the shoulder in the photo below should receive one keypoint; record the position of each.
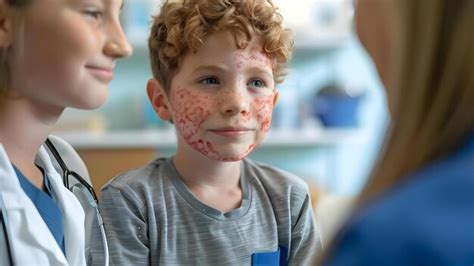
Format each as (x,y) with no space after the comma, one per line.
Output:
(417,218)
(279,185)
(139,176)
(140,183)
(448,182)
(274,178)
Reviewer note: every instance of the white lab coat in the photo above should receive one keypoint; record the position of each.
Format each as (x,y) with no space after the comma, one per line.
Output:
(31,241)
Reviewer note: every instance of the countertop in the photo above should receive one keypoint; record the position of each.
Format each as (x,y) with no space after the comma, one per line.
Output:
(166,138)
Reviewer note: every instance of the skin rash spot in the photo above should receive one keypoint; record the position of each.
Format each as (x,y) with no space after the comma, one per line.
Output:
(255,55)
(191,110)
(264,110)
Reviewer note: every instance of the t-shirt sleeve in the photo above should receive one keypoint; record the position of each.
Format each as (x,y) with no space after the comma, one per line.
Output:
(125,227)
(305,236)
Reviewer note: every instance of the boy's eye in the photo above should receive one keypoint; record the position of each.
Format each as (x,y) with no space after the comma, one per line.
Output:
(257,83)
(209,81)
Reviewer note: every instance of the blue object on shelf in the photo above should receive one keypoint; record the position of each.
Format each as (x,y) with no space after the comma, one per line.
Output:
(337,110)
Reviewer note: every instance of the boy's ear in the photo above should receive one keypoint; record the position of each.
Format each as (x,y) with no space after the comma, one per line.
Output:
(158,99)
(275,98)
(6,27)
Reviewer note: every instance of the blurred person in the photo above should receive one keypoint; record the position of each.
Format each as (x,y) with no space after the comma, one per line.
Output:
(417,207)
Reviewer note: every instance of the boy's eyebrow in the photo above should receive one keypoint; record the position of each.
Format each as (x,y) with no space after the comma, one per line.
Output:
(258,69)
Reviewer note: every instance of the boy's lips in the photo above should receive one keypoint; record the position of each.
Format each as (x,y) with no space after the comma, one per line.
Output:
(102,73)
(231,131)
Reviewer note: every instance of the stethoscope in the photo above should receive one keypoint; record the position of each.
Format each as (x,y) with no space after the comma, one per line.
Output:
(66,174)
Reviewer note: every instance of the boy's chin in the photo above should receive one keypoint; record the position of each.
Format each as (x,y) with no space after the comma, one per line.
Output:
(231,159)
(228,155)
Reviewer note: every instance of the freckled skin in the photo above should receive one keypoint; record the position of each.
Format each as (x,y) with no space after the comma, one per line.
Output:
(264,110)
(255,55)
(192,107)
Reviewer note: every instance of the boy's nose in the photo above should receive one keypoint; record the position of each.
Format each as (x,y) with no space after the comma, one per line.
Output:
(117,45)
(234,103)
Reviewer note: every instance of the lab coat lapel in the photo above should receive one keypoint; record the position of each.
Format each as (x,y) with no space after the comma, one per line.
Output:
(31,237)
(74,233)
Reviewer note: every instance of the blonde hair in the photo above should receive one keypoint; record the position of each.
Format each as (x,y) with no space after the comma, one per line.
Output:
(432,112)
(15,7)
(182,26)
(433,84)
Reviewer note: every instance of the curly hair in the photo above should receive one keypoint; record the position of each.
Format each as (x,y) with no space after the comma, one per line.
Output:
(183,25)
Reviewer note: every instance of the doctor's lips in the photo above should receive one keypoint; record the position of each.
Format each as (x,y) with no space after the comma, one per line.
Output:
(103,73)
(231,131)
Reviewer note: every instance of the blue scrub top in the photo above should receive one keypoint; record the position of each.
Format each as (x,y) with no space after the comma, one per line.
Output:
(428,220)
(46,205)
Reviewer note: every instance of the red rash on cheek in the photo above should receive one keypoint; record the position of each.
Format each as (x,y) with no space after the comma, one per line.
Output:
(190,110)
(263,107)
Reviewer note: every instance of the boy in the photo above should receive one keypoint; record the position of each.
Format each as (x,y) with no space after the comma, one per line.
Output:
(215,64)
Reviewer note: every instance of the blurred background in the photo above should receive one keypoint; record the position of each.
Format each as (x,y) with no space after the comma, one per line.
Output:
(328,124)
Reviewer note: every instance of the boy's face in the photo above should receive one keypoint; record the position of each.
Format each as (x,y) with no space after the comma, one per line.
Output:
(222,99)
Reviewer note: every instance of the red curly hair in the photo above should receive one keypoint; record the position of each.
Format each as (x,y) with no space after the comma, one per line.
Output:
(183,25)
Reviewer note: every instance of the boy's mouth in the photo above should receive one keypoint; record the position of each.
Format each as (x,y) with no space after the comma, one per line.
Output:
(231,131)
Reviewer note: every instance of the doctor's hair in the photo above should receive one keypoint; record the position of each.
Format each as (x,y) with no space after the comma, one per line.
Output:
(14,7)
(183,25)
(433,81)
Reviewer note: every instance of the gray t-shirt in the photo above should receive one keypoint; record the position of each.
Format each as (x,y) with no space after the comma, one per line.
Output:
(151,217)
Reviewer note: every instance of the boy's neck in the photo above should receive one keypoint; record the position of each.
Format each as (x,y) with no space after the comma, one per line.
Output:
(214,183)
(198,170)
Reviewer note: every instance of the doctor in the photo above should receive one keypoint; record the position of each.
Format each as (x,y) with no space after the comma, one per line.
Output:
(417,207)
(54,54)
